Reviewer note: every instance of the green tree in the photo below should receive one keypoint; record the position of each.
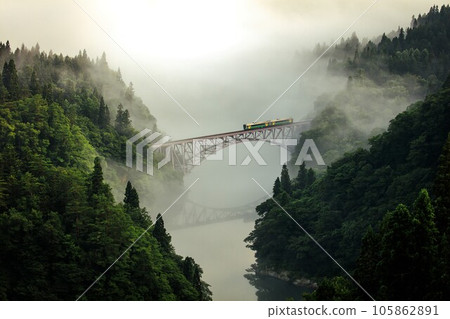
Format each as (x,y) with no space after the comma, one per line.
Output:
(99,193)
(310,177)
(302,177)
(161,235)
(199,285)
(285,180)
(96,178)
(425,239)
(189,268)
(3,93)
(367,264)
(103,114)
(276,187)
(193,273)
(11,80)
(408,251)
(131,196)
(132,208)
(34,87)
(47,92)
(123,122)
(441,189)
(397,276)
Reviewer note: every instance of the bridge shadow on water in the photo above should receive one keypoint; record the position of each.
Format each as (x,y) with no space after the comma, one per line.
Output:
(193,214)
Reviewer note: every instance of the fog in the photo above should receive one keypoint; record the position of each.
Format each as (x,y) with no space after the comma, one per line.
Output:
(224,62)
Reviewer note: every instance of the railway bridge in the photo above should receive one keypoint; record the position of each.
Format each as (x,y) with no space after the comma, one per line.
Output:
(187,153)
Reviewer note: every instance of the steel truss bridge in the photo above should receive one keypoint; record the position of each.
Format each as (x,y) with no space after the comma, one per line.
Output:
(187,153)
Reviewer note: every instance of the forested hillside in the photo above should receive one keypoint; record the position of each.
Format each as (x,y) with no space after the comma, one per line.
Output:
(393,192)
(383,79)
(60,226)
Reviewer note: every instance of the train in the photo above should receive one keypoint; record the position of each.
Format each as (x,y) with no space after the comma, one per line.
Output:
(277,122)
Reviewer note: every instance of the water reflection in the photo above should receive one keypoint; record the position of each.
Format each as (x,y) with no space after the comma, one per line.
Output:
(273,289)
(220,250)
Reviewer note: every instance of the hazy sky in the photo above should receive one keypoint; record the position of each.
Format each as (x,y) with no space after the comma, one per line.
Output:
(190,29)
(224,61)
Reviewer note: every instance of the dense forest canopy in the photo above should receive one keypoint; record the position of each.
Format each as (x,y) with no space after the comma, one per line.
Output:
(60,226)
(380,209)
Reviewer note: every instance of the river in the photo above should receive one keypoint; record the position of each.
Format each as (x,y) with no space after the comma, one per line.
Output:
(221,252)
(219,248)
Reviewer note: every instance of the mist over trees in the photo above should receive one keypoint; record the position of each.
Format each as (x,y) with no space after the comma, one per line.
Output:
(60,225)
(381,206)
(383,79)
(354,194)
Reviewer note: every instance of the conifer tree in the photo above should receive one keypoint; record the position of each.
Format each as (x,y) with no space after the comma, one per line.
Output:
(96,187)
(97,176)
(11,80)
(47,93)
(131,196)
(397,254)
(285,180)
(276,187)
(366,265)
(161,235)
(310,177)
(103,63)
(302,176)
(425,240)
(408,251)
(189,268)
(103,114)
(123,122)
(442,189)
(34,84)
(132,208)
(3,92)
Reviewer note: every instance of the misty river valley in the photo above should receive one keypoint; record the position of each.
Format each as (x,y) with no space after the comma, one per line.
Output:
(229,150)
(219,246)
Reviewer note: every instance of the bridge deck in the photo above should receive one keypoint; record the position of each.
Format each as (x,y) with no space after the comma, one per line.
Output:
(233,133)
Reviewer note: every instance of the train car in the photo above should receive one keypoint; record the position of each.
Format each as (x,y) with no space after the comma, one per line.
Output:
(277,122)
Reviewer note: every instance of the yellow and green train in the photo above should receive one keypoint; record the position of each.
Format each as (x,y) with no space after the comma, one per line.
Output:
(277,122)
